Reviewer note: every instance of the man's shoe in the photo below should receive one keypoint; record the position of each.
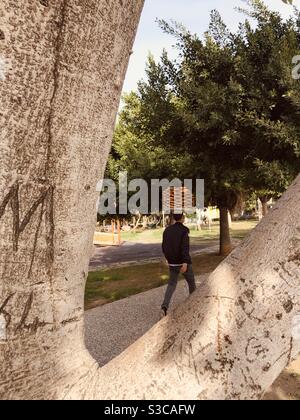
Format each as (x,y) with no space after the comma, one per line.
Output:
(163,313)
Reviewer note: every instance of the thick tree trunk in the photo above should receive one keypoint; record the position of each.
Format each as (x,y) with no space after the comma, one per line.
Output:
(225,238)
(66,62)
(231,339)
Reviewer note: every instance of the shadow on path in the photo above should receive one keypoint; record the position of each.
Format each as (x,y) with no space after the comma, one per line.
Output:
(134,252)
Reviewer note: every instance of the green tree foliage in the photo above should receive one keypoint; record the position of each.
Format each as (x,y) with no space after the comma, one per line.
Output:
(270,121)
(226,110)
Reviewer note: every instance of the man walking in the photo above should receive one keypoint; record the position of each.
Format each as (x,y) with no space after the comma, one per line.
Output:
(176,248)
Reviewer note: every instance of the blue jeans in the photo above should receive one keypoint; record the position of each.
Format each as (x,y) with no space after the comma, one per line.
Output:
(174,274)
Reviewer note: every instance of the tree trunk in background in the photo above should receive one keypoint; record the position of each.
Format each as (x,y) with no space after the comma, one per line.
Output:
(231,339)
(137,222)
(232,214)
(264,201)
(225,239)
(229,219)
(66,62)
(239,208)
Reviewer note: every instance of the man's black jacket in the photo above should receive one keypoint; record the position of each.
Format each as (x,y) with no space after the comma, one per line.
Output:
(176,244)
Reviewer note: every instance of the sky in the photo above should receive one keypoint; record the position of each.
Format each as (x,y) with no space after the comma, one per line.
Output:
(194,14)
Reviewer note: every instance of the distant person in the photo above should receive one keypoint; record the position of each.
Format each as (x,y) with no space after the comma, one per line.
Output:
(206,218)
(176,248)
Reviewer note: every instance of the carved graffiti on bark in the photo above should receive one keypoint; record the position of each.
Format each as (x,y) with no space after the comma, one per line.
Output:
(45,202)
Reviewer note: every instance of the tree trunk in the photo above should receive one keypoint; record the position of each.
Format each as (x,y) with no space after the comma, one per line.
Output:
(232,214)
(136,223)
(231,339)
(59,97)
(225,239)
(239,208)
(229,220)
(265,209)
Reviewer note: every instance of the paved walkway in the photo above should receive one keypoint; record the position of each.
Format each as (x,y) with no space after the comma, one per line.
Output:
(112,328)
(131,252)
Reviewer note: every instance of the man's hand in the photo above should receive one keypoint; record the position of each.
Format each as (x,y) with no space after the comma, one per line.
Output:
(184,268)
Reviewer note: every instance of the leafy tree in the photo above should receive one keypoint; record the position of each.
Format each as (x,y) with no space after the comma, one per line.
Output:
(136,149)
(226,110)
(270,121)
(240,105)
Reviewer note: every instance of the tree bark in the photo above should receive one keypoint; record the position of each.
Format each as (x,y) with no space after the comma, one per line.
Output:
(232,214)
(265,209)
(230,340)
(239,208)
(66,62)
(225,238)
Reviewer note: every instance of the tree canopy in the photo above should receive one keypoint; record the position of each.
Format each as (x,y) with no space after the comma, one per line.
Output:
(226,109)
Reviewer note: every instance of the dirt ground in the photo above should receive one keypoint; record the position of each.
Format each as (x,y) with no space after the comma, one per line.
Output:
(287,386)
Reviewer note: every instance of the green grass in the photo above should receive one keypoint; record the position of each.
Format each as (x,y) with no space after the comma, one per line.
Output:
(239,231)
(111,285)
(115,284)
(147,236)
(118,283)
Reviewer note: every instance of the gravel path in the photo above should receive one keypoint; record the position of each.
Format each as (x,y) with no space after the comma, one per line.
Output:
(112,328)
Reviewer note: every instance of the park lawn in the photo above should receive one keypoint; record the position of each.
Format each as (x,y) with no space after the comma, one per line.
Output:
(239,231)
(111,285)
(147,236)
